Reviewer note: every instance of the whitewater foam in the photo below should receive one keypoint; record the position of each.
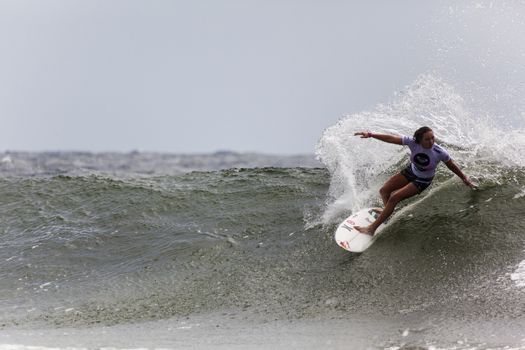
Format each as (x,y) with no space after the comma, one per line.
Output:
(520,194)
(518,276)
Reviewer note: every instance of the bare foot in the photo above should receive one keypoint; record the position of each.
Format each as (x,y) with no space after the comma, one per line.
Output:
(365,229)
(378,210)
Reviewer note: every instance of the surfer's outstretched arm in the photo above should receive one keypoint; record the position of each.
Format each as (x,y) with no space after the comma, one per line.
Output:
(383,137)
(456,170)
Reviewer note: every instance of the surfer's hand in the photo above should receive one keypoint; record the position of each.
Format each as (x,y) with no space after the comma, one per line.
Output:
(364,134)
(469,183)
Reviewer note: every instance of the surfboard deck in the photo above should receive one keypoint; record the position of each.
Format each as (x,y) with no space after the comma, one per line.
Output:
(348,238)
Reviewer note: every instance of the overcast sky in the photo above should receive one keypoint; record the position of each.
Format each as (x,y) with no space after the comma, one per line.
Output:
(201,75)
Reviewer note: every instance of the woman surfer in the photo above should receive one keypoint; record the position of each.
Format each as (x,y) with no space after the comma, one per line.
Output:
(424,158)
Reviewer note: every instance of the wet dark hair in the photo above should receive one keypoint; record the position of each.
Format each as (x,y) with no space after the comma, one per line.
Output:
(418,135)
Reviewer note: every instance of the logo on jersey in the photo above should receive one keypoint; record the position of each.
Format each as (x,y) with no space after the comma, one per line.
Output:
(421,161)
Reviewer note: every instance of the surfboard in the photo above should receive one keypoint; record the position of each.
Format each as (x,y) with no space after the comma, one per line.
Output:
(348,238)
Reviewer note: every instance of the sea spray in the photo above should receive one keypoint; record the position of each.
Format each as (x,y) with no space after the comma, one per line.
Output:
(358,166)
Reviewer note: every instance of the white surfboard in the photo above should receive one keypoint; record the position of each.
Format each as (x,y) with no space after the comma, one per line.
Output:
(352,240)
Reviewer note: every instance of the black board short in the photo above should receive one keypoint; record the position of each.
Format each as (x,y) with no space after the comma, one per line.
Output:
(420,182)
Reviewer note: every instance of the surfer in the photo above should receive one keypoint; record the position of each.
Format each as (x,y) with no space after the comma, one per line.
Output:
(417,176)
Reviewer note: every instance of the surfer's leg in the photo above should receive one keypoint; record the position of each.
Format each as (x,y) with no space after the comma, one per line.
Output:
(394,183)
(407,191)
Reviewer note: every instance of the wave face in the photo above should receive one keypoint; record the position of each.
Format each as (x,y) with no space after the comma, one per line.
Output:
(81,250)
